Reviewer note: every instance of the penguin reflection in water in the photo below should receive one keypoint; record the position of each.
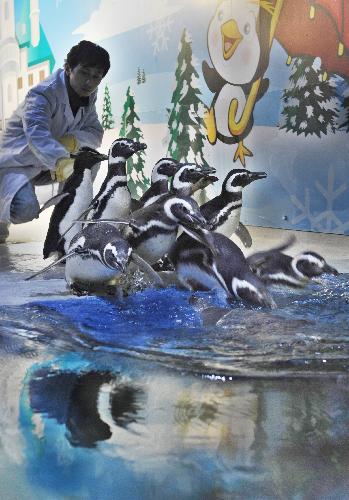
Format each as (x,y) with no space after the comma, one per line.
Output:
(274,267)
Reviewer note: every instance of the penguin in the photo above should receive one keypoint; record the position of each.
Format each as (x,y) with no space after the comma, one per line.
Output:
(163,170)
(191,177)
(238,46)
(114,198)
(227,270)
(151,231)
(223,211)
(98,254)
(76,196)
(274,267)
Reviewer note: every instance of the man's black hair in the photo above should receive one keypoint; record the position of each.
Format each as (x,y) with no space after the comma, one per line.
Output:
(88,54)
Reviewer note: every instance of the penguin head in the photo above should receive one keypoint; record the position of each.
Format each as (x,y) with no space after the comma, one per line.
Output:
(187,176)
(116,254)
(311,264)
(163,169)
(233,41)
(122,149)
(238,178)
(185,211)
(86,158)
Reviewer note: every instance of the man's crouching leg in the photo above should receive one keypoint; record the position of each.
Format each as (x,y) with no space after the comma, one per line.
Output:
(25,206)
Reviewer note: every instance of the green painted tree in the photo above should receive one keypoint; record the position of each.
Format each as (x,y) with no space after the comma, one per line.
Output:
(310,105)
(139,76)
(107,114)
(137,181)
(186,126)
(343,120)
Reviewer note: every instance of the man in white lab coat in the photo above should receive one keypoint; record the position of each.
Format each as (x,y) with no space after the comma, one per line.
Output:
(57,117)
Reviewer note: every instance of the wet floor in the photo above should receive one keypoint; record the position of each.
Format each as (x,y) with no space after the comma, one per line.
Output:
(170,395)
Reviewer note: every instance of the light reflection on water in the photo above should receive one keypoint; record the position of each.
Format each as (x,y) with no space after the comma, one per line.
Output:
(82,420)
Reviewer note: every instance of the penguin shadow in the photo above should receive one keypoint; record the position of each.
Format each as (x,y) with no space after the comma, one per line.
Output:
(74,400)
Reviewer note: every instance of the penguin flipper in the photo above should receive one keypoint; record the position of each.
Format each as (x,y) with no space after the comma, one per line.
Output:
(263,88)
(244,235)
(53,201)
(145,267)
(49,266)
(259,258)
(213,80)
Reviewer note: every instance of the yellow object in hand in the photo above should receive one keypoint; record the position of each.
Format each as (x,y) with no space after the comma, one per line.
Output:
(64,169)
(70,143)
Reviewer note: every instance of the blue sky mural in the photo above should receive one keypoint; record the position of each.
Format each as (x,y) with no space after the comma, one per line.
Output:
(147,36)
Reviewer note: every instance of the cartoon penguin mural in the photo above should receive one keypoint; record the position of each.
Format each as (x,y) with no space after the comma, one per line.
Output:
(239,38)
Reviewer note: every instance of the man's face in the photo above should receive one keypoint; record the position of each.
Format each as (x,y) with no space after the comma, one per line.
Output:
(84,79)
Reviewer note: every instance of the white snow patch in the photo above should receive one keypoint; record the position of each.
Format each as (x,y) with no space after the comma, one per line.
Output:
(317,64)
(310,111)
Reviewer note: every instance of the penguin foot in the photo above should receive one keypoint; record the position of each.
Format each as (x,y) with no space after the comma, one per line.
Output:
(241,152)
(77,290)
(210,124)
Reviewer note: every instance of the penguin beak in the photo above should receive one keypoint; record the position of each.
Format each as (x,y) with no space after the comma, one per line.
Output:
(140,146)
(330,270)
(231,37)
(254,176)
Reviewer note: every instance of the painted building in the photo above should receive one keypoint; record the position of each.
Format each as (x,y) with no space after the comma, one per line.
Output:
(25,54)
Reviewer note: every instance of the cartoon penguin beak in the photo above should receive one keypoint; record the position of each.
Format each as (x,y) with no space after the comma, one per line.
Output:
(254,176)
(231,37)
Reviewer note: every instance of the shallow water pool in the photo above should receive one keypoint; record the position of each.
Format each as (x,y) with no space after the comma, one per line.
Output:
(173,395)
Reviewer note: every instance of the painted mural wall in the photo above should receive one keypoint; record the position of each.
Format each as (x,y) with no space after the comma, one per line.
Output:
(235,83)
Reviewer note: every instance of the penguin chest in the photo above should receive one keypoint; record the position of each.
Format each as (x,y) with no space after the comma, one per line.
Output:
(222,104)
(156,246)
(228,219)
(87,270)
(80,202)
(117,204)
(195,272)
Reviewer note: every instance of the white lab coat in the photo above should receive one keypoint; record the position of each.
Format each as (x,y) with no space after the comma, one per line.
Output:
(29,143)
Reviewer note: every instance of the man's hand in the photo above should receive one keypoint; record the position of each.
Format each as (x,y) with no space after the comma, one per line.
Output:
(70,143)
(64,169)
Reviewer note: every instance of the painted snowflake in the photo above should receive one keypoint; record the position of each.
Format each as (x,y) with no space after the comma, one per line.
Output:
(159,34)
(327,220)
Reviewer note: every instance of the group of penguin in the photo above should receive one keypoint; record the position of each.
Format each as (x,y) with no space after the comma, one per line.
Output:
(101,238)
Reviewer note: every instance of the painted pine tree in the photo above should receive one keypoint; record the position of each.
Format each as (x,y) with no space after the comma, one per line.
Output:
(107,114)
(137,182)
(185,123)
(143,76)
(343,120)
(139,76)
(310,105)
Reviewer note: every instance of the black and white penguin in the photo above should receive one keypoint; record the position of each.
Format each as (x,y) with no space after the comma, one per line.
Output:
(162,171)
(197,268)
(74,199)
(190,178)
(223,211)
(114,199)
(273,266)
(97,254)
(238,45)
(152,230)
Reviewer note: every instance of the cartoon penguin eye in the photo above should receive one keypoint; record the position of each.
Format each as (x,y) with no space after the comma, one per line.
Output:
(247,28)
(220,15)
